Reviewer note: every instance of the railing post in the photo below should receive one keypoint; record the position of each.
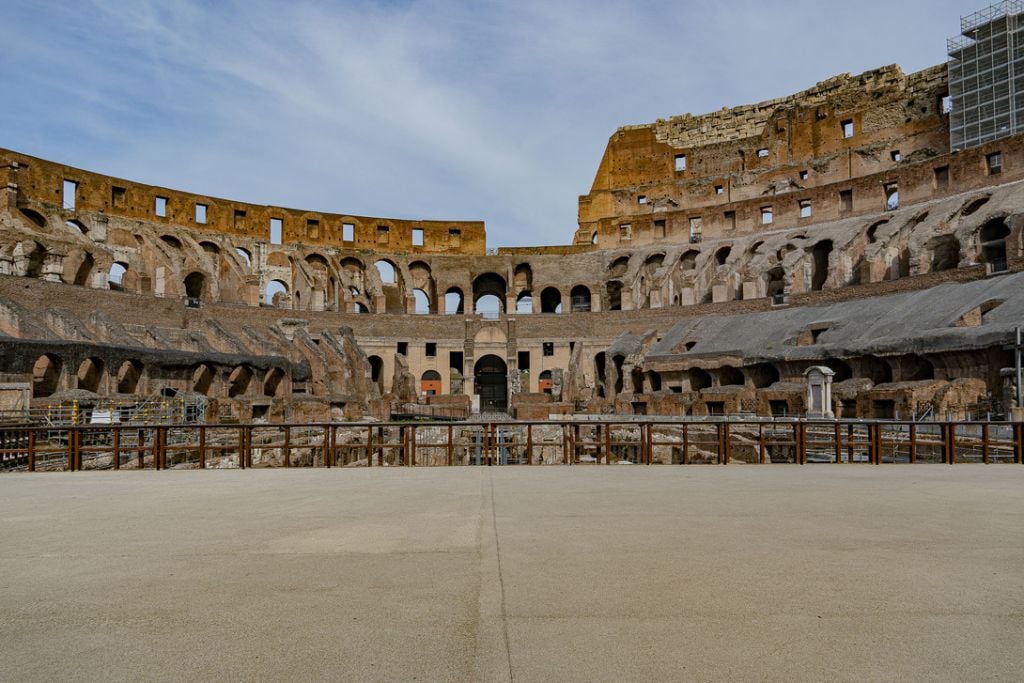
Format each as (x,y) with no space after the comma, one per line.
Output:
(984,443)
(762,454)
(32,450)
(70,455)
(451,449)
(799,433)
(1018,443)
(117,447)
(873,443)
(141,453)
(838,435)
(649,442)
(287,448)
(723,443)
(529,444)
(202,448)
(951,435)
(412,446)
(565,444)
(241,447)
(913,443)
(686,444)
(369,446)
(606,428)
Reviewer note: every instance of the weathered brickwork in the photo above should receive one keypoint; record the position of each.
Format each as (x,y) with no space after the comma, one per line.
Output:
(691,288)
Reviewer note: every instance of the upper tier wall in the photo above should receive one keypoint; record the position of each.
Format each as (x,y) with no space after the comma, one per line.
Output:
(39,180)
(845,129)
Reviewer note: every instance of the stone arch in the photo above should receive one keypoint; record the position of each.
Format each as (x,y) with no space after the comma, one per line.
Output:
(46,375)
(128,376)
(653,262)
(239,380)
(273,382)
(115,277)
(945,251)
(653,380)
(387,270)
(522,278)
(171,241)
(871,233)
(524,302)
(422,279)
(688,261)
(841,368)
(618,267)
(90,375)
(874,368)
(77,226)
(722,254)
(490,382)
(550,300)
(819,264)
(195,286)
(202,379)
(489,289)
(422,302)
(34,216)
(454,301)
(763,375)
(245,255)
(276,293)
(377,372)
(729,376)
(210,247)
(776,282)
(992,240)
(699,379)
(614,291)
(580,297)
(84,271)
(972,205)
(430,383)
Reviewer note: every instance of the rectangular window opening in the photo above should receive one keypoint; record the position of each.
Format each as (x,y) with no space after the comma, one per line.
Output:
(383,234)
(805,209)
(160,207)
(625,231)
(822,113)
(767,215)
(942,177)
(455,237)
(523,360)
(455,361)
(680,163)
(994,163)
(417,237)
(730,220)
(696,226)
(846,200)
(69,192)
(402,348)
(719,189)
(804,175)
(201,213)
(892,197)
(847,126)
(549,348)
(642,199)
(431,349)
(312,228)
(762,153)
(946,104)
(659,228)
(895,155)
(276,226)
(117,196)
(348,232)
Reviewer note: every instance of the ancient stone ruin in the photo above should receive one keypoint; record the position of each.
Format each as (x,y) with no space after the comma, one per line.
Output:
(718,258)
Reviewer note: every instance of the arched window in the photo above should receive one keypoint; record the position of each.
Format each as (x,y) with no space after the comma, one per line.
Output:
(46,375)
(550,300)
(422,301)
(580,296)
(116,277)
(387,272)
(245,256)
(276,291)
(453,304)
(524,303)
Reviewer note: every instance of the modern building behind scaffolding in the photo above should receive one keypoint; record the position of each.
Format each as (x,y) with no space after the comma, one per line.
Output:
(986,75)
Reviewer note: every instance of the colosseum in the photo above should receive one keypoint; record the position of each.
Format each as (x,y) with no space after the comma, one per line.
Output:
(719,258)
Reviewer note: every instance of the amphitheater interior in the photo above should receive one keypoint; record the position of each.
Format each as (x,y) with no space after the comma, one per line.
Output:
(717,259)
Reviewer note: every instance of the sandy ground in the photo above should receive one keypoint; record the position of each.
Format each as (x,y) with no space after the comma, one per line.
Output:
(827,572)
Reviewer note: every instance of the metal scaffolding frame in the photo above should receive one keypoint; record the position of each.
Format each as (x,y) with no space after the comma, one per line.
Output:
(986,75)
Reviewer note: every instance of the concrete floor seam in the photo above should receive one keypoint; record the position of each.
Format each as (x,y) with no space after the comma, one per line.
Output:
(501,578)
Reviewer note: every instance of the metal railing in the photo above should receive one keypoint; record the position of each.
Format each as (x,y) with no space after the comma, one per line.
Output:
(569,442)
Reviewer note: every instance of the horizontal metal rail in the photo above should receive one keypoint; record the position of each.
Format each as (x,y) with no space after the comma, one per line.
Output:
(567,442)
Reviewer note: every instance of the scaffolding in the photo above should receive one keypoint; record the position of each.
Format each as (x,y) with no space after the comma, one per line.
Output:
(986,75)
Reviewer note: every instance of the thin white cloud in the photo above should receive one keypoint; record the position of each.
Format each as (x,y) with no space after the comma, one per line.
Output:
(432,109)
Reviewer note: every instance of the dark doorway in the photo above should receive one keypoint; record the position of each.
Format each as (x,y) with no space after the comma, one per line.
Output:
(490,378)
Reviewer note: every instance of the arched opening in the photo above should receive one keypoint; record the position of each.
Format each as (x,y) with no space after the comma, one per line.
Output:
(599,373)
(722,255)
(195,286)
(128,376)
(210,248)
(272,382)
(522,278)
(276,294)
(763,375)
(90,374)
(872,233)
(688,261)
(36,258)
(202,379)
(489,291)
(377,373)
(238,381)
(524,303)
(490,381)
(580,296)
(245,256)
(819,254)
(544,383)
(550,300)
(453,301)
(945,252)
(915,368)
(422,301)
(776,283)
(729,376)
(653,380)
(361,308)
(386,269)
(618,361)
(841,368)
(992,238)
(973,205)
(172,242)
(618,267)
(76,226)
(115,279)
(430,383)
(84,270)
(699,379)
(34,216)
(46,375)
(874,368)
(614,295)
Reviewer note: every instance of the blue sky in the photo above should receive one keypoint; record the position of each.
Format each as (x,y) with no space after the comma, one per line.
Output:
(413,109)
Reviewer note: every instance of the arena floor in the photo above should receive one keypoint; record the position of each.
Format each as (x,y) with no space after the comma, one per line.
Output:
(838,572)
